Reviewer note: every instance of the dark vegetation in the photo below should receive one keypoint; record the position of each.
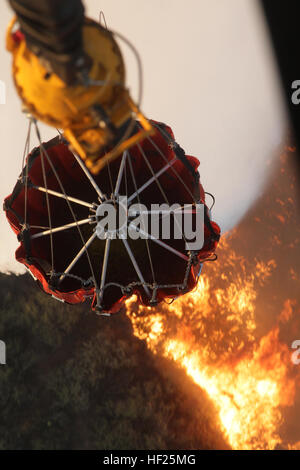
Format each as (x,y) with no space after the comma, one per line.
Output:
(77,381)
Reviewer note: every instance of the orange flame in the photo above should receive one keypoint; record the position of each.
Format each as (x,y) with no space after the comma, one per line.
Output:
(211,334)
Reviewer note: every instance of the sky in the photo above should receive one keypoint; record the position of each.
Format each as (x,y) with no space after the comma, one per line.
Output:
(209,73)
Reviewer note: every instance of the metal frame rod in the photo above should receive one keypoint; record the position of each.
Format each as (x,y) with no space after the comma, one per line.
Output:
(173,169)
(62,196)
(153,178)
(136,266)
(120,174)
(104,269)
(159,242)
(59,229)
(77,257)
(89,176)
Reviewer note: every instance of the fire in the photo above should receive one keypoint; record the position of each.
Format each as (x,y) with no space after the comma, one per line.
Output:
(247,401)
(210,333)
